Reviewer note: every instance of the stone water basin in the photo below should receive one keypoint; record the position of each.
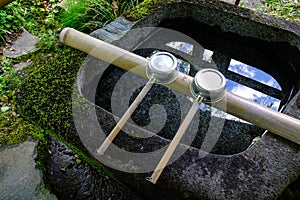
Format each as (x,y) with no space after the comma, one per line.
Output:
(261,62)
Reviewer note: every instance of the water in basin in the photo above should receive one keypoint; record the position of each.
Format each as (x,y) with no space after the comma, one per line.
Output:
(250,72)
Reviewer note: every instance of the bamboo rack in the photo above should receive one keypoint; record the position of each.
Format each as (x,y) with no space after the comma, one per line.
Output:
(266,118)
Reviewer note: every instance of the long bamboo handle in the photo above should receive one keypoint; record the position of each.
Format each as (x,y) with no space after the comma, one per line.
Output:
(278,123)
(125,117)
(174,143)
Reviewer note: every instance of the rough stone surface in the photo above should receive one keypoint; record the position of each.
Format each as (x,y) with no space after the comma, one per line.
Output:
(19,176)
(230,18)
(24,44)
(114,30)
(72,178)
(21,65)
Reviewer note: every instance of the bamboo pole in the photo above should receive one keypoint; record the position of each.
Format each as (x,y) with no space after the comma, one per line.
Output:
(278,123)
(175,141)
(125,117)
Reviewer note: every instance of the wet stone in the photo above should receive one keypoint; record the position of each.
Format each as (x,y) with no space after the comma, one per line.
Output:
(70,178)
(19,176)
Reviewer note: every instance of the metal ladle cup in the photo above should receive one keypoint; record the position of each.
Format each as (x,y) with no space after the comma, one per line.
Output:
(209,84)
(162,67)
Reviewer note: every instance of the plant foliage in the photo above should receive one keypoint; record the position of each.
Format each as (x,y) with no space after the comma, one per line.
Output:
(45,19)
(284,9)
(94,13)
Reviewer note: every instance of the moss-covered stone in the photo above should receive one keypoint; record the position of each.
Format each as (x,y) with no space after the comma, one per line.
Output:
(45,94)
(45,98)
(16,130)
(146,8)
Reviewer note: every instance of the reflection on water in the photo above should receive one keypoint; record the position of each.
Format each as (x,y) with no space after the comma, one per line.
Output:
(253,73)
(249,93)
(252,95)
(240,69)
(182,46)
(207,55)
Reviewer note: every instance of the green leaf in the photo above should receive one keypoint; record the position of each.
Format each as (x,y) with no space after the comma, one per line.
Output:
(5,108)
(10,17)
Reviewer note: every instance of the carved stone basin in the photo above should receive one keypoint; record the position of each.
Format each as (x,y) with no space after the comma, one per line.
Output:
(259,56)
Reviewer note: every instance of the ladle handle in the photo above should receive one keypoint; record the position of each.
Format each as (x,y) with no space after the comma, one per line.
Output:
(175,141)
(125,117)
(278,123)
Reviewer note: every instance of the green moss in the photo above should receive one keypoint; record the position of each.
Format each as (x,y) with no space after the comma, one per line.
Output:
(42,153)
(23,130)
(146,8)
(14,129)
(44,96)
(287,10)
(141,10)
